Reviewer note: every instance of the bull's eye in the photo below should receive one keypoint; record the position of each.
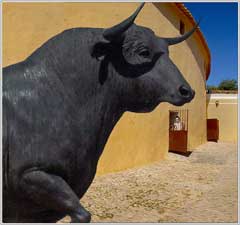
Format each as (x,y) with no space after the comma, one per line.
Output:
(144,53)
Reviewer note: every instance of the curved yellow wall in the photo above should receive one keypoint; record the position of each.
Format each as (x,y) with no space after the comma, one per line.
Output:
(138,138)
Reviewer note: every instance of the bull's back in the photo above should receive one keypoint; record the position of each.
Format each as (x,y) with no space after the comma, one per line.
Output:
(7,111)
(40,124)
(16,132)
(15,101)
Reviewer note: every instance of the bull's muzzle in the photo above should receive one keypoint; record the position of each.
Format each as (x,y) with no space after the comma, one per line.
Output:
(186,92)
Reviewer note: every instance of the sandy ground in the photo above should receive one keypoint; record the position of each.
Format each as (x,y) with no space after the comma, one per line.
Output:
(198,188)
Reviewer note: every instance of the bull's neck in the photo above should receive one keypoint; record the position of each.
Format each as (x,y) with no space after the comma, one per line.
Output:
(109,116)
(99,102)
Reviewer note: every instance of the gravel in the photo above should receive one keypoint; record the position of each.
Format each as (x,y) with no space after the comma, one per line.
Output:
(199,188)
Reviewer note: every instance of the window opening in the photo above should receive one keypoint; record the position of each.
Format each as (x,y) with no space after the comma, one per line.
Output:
(182,27)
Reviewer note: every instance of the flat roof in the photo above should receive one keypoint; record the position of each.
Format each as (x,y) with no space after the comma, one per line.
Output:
(222,96)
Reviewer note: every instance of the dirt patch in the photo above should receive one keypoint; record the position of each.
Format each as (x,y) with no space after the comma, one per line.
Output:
(198,188)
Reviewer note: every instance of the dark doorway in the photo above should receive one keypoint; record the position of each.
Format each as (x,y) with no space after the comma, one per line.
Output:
(212,130)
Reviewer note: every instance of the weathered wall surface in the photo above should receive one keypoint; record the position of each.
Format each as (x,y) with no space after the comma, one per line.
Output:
(138,138)
(226,111)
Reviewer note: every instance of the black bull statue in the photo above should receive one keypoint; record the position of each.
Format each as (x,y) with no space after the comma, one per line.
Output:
(61,104)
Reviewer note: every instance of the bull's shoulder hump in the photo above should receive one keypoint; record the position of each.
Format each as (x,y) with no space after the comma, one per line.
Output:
(13,74)
(13,68)
(86,33)
(83,29)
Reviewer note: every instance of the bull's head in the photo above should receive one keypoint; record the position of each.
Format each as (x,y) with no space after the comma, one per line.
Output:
(142,59)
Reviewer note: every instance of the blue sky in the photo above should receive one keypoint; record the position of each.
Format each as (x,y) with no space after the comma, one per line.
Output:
(219,24)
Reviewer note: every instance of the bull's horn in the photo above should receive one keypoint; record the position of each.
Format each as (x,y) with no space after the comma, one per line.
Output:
(176,40)
(113,32)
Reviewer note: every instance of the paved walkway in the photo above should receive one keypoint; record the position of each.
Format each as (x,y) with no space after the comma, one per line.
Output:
(198,188)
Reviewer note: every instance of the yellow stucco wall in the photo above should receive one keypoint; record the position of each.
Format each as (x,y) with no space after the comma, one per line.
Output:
(138,138)
(226,112)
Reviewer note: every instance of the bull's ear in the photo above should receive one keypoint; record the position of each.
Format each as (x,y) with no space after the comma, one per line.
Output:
(100,50)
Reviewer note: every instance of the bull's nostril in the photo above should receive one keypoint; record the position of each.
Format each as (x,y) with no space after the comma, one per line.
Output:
(184,91)
(193,93)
